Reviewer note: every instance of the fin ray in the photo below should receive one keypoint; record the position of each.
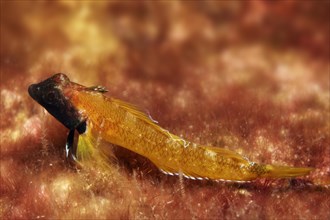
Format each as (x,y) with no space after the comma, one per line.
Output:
(275,171)
(139,113)
(171,171)
(226,153)
(89,150)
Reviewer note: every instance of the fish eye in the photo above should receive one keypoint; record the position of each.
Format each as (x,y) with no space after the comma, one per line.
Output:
(50,97)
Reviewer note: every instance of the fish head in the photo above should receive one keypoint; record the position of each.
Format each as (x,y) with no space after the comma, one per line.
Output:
(53,96)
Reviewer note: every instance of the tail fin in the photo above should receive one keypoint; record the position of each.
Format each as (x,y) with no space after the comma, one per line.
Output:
(285,171)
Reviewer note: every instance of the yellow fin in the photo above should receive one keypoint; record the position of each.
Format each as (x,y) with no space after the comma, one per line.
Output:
(170,171)
(275,171)
(90,150)
(137,112)
(85,148)
(226,154)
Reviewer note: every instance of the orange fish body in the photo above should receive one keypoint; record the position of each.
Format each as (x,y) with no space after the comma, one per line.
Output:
(103,118)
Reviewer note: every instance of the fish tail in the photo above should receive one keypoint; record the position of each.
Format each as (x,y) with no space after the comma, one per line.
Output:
(273,171)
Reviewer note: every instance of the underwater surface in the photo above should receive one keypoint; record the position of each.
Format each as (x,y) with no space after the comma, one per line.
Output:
(252,77)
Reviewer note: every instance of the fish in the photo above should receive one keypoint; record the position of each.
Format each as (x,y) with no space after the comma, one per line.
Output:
(100,119)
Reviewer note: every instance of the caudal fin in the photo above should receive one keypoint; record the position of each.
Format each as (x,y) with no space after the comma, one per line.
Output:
(285,171)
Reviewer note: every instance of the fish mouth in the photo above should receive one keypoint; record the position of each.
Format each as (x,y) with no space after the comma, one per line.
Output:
(32,91)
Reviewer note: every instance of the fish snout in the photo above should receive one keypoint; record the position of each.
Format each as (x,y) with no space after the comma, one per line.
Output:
(33,90)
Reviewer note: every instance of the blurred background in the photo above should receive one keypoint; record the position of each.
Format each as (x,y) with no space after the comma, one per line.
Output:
(252,76)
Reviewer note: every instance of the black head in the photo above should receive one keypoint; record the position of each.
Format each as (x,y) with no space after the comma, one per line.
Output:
(50,94)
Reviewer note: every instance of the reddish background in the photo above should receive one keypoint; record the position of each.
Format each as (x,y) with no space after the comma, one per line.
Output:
(252,76)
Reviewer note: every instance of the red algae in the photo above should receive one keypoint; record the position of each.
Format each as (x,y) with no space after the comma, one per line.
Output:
(248,76)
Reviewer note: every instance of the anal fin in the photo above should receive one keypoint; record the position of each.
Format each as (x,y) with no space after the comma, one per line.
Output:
(177,172)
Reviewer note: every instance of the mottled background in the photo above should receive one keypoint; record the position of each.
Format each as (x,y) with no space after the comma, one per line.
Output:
(252,76)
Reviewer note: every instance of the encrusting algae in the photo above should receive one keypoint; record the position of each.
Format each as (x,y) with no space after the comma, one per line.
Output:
(97,117)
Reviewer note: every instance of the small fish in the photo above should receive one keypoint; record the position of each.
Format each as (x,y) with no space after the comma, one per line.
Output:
(97,117)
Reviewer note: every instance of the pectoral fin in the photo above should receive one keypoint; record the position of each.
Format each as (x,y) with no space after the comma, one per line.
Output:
(92,150)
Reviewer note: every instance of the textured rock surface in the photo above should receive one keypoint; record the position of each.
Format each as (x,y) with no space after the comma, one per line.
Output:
(252,77)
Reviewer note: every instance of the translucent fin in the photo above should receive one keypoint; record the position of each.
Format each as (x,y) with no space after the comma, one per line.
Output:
(285,171)
(99,89)
(85,148)
(137,112)
(226,154)
(172,171)
(89,151)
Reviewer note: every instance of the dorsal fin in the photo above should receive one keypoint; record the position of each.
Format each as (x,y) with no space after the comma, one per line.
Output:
(100,89)
(137,112)
(226,153)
